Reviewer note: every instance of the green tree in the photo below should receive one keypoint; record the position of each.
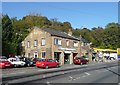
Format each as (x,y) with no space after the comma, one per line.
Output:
(7,36)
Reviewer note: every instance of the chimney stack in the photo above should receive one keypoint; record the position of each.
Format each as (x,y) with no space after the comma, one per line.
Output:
(70,32)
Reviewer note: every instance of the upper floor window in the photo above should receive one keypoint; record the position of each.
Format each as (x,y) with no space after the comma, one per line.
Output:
(35,42)
(43,41)
(57,41)
(28,44)
(67,42)
(75,44)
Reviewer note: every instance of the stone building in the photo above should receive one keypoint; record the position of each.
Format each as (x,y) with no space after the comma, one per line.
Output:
(51,43)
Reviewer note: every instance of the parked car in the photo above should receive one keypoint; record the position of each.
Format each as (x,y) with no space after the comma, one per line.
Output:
(85,57)
(16,62)
(4,63)
(28,61)
(80,60)
(46,63)
(34,60)
(3,57)
(112,58)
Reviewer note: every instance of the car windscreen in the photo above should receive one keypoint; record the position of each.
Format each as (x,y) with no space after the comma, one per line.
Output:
(41,60)
(3,57)
(79,58)
(50,60)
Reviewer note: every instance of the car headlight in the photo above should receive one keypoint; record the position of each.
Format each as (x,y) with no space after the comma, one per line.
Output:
(42,64)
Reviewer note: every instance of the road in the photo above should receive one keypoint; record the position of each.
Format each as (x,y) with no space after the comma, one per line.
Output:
(91,73)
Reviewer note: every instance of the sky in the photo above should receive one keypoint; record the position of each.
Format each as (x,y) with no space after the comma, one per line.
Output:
(79,14)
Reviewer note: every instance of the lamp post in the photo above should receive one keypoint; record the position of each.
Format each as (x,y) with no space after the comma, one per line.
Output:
(18,35)
(80,45)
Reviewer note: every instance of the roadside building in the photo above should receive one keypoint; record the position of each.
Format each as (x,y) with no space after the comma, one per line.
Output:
(51,43)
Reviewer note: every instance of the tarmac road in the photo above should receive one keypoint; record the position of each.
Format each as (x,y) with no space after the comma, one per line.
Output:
(91,73)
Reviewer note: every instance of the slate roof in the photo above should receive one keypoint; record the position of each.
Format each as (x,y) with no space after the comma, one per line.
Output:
(82,39)
(54,32)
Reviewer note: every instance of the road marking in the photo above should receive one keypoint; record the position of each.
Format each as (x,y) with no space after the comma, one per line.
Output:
(70,77)
(13,73)
(78,78)
(17,73)
(48,83)
(87,73)
(44,76)
(21,72)
(83,76)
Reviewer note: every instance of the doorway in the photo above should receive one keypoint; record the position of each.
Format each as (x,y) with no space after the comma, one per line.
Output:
(66,58)
(35,54)
(74,55)
(57,56)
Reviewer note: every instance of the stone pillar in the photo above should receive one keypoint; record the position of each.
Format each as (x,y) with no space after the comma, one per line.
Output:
(90,56)
(71,58)
(62,58)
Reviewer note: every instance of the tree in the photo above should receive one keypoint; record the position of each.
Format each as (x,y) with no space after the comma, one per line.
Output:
(7,36)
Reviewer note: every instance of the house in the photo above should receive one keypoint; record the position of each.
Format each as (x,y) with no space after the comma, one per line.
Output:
(51,43)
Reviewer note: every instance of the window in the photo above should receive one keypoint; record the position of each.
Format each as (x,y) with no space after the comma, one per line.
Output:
(43,54)
(49,60)
(75,44)
(28,54)
(67,42)
(43,41)
(35,42)
(57,41)
(28,44)
(35,54)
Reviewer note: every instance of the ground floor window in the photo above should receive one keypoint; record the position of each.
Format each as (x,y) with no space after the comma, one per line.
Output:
(43,54)
(28,54)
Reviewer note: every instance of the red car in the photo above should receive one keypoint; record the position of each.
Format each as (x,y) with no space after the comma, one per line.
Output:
(80,60)
(5,63)
(46,63)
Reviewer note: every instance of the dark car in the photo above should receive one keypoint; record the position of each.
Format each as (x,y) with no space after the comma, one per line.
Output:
(34,60)
(28,61)
(80,60)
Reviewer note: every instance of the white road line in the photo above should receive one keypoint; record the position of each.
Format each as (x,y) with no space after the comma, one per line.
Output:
(13,73)
(83,76)
(21,72)
(44,76)
(78,78)
(70,77)
(87,73)
(48,83)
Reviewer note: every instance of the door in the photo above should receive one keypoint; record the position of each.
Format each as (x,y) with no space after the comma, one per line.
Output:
(36,55)
(66,58)
(57,56)
(50,62)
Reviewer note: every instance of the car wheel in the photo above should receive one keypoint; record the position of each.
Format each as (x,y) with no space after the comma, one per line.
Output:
(46,67)
(37,66)
(81,63)
(15,65)
(57,66)
(28,65)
